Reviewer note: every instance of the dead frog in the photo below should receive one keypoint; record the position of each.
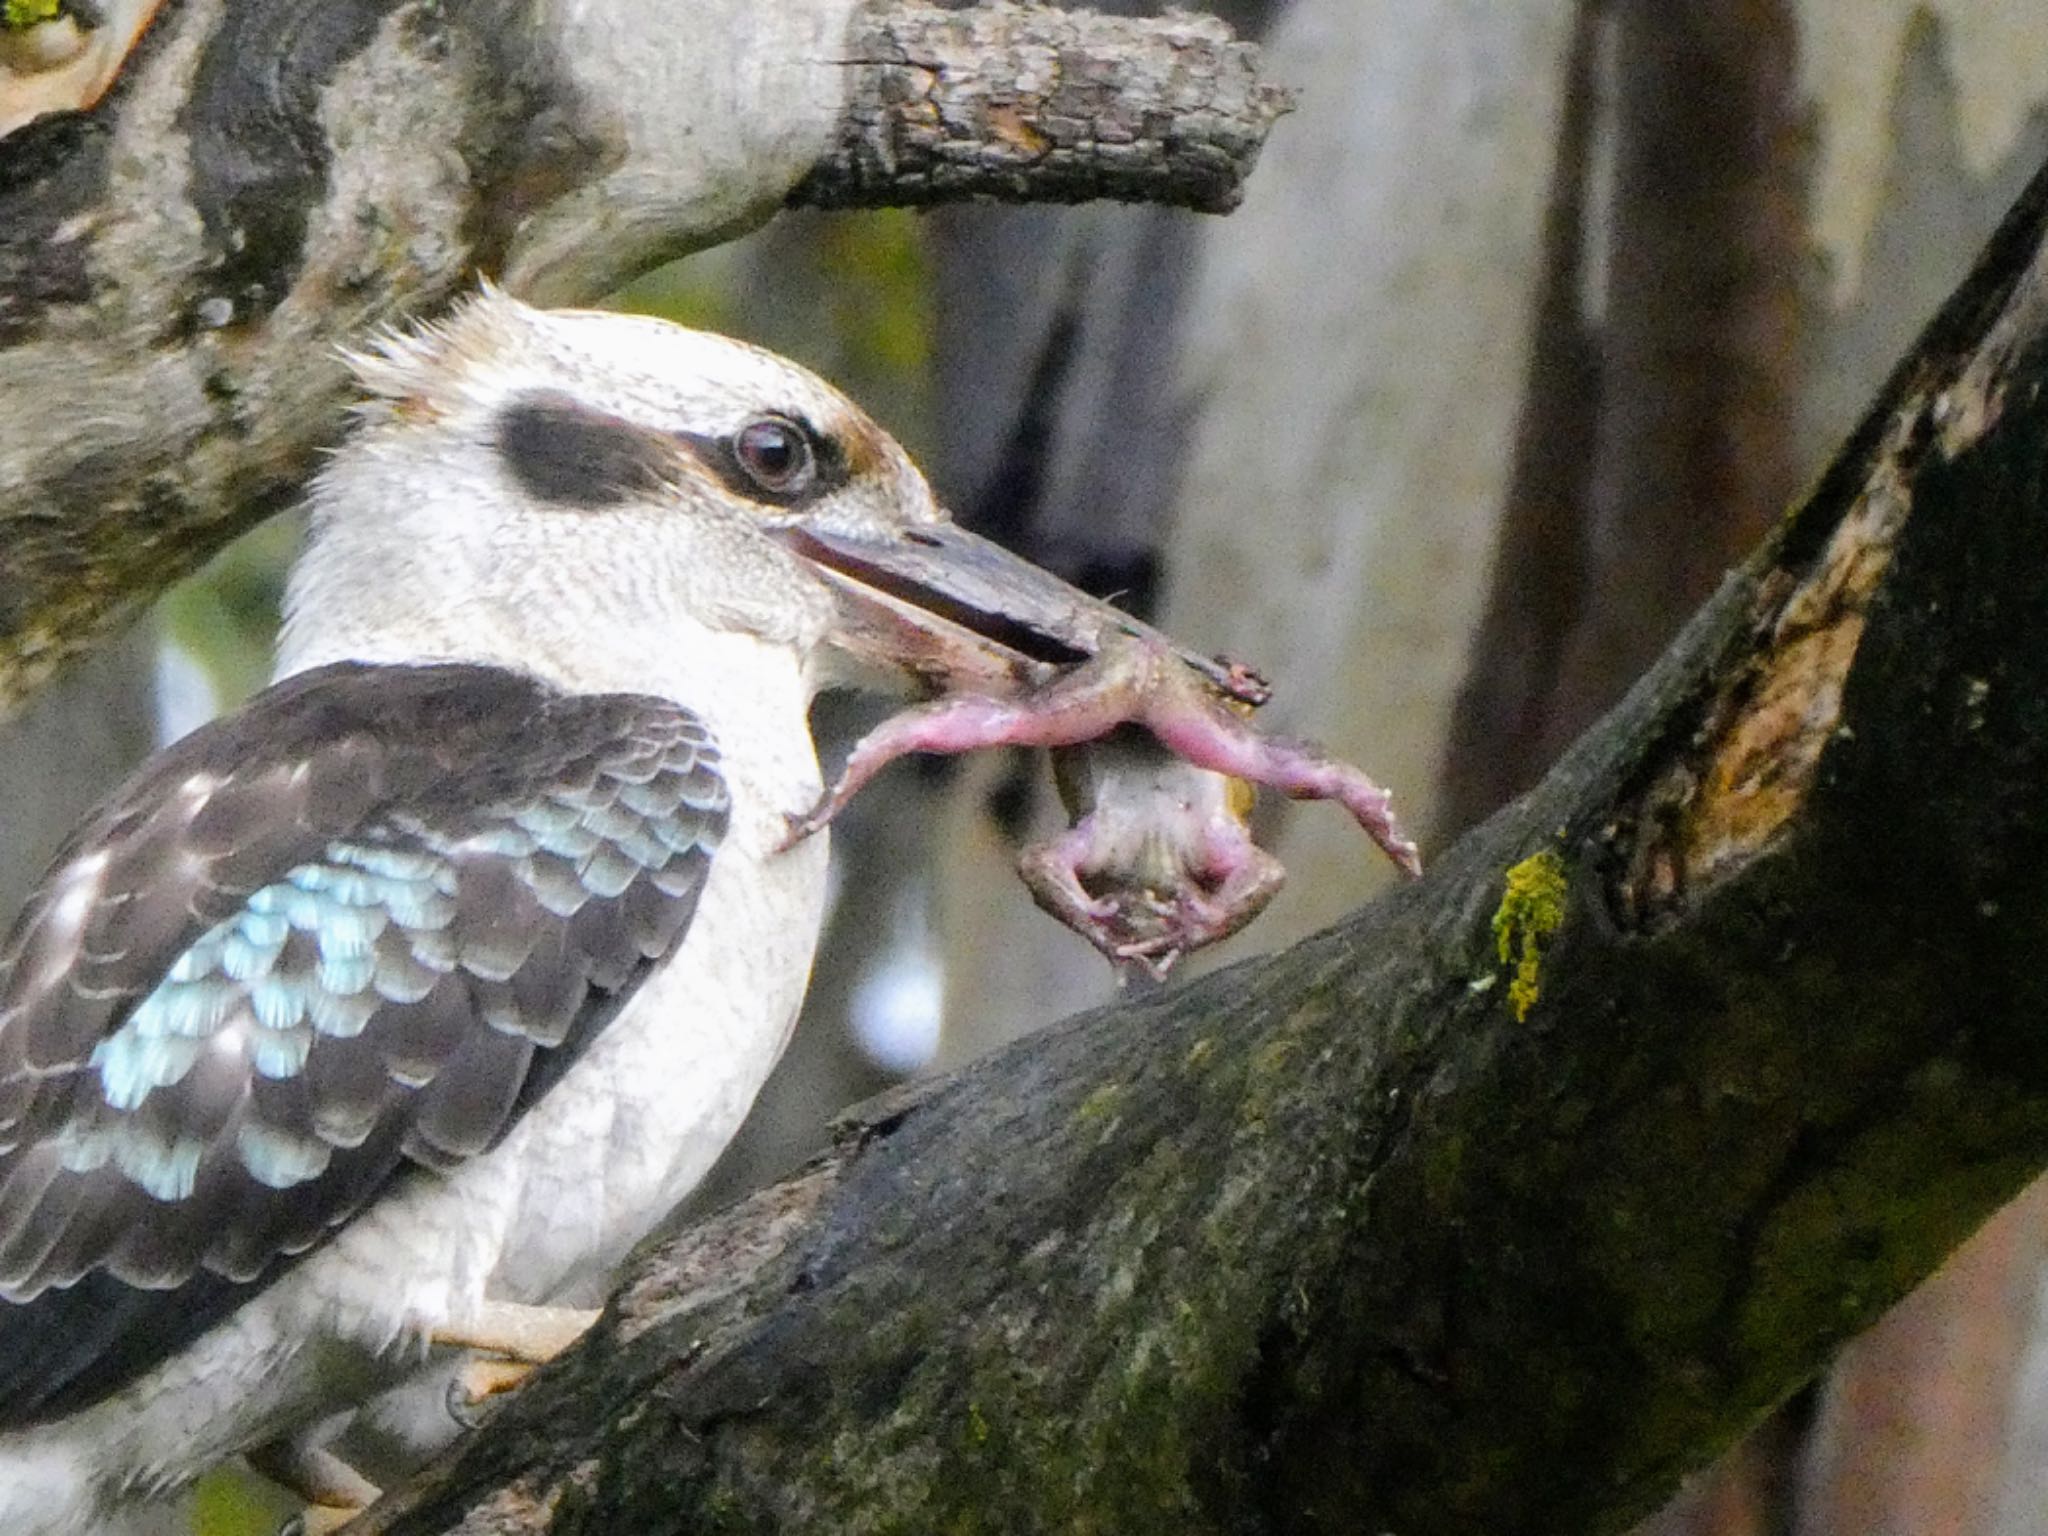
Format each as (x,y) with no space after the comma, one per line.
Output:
(1159,861)
(1157,762)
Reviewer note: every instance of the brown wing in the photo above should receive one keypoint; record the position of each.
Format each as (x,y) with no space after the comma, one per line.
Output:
(350,931)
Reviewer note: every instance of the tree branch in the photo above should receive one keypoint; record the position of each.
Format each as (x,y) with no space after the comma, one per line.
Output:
(1498,1206)
(1044,106)
(270,179)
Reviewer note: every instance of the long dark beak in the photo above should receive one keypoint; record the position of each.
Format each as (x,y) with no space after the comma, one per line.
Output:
(954,608)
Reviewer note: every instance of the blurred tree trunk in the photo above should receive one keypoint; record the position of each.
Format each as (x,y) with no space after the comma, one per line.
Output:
(1588,290)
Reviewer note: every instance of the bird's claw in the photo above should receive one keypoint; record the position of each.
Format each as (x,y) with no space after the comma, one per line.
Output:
(319,1520)
(478,1384)
(332,1492)
(515,1338)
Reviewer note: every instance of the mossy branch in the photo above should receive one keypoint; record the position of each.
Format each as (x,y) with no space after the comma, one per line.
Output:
(1361,1237)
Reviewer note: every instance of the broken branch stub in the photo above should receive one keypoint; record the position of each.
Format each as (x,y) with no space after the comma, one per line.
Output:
(1046,105)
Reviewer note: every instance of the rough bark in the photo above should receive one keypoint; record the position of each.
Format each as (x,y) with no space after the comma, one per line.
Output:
(269,179)
(1071,109)
(1499,1205)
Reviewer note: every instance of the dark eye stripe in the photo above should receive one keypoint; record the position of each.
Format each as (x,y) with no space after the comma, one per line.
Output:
(562,452)
(565,454)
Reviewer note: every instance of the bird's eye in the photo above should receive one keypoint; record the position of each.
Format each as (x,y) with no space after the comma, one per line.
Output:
(777,455)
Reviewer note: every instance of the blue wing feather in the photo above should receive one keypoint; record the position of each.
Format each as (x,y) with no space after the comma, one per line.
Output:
(341,938)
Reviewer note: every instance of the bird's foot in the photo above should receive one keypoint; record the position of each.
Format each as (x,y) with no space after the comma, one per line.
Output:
(481,1380)
(335,1492)
(527,1335)
(514,1339)
(1135,681)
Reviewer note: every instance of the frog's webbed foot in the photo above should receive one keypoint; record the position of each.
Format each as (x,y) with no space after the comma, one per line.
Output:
(1233,885)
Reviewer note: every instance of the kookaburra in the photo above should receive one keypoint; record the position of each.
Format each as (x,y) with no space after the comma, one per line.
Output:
(382,1016)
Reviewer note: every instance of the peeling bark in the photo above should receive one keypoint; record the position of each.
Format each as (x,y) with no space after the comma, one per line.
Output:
(270,179)
(1338,1239)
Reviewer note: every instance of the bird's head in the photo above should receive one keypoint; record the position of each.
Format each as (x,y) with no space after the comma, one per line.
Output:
(543,476)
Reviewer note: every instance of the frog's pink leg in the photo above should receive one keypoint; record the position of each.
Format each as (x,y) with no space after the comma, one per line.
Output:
(1129,681)
(1081,705)
(1052,872)
(1214,738)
